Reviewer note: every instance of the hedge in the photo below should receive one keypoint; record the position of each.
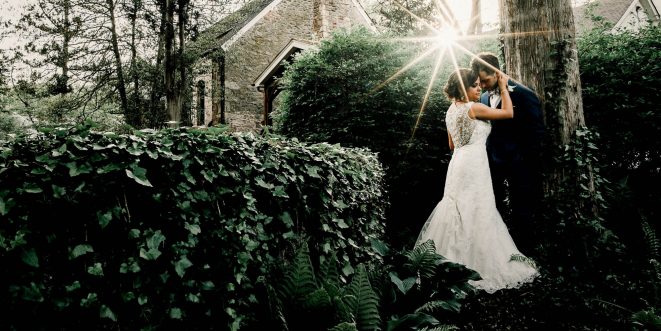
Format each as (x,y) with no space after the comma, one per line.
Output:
(175,228)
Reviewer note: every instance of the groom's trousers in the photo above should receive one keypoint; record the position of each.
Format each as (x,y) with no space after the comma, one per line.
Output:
(518,190)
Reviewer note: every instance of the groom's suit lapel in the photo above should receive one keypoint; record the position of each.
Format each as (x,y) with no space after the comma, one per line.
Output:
(484,99)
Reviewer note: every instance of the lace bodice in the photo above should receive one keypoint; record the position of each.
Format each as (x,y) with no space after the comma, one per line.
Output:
(463,129)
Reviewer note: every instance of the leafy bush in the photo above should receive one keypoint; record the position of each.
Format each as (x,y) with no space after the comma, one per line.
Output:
(337,95)
(408,290)
(172,228)
(618,77)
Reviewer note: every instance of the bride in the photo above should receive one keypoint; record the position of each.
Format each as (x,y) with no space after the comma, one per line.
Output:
(465,225)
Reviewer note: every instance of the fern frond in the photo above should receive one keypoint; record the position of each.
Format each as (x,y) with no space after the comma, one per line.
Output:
(651,239)
(441,328)
(363,302)
(657,269)
(299,280)
(329,270)
(524,259)
(422,259)
(380,247)
(344,326)
(275,305)
(434,306)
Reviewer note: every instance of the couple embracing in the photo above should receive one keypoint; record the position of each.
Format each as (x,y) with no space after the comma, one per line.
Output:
(496,141)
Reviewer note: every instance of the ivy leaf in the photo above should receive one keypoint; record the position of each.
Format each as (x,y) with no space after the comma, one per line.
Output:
(155,240)
(347,269)
(5,205)
(175,313)
(78,169)
(59,151)
(280,192)
(142,300)
(104,218)
(286,219)
(81,249)
(110,167)
(105,312)
(260,182)
(29,256)
(193,228)
(181,266)
(58,191)
(134,233)
(32,188)
(138,174)
(74,286)
(340,223)
(313,171)
(340,204)
(96,269)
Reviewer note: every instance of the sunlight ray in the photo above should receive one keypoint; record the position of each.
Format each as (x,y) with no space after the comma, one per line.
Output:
(473,55)
(423,21)
(447,13)
(439,60)
(404,69)
(456,69)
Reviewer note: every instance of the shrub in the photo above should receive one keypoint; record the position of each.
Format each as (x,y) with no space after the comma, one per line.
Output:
(170,228)
(618,76)
(336,95)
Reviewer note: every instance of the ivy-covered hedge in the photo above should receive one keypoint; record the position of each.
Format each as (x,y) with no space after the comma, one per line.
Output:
(345,93)
(169,229)
(619,77)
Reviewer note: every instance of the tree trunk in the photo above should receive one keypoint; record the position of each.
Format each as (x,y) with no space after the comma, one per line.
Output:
(121,85)
(136,100)
(157,115)
(182,87)
(171,95)
(63,81)
(475,26)
(540,51)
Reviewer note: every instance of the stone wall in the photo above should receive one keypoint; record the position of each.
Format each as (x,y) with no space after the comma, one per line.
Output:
(251,53)
(203,73)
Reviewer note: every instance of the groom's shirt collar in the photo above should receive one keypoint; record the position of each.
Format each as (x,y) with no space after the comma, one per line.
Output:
(494,97)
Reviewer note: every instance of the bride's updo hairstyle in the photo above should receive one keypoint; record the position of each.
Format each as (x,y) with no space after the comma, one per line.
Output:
(453,88)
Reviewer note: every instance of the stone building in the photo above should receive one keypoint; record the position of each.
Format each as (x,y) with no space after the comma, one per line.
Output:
(239,58)
(622,14)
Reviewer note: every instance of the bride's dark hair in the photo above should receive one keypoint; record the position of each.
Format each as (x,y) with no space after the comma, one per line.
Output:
(453,88)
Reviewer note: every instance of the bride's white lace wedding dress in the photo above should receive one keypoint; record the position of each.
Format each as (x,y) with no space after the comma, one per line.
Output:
(465,225)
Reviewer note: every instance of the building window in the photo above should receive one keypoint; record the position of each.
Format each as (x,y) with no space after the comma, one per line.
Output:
(200,103)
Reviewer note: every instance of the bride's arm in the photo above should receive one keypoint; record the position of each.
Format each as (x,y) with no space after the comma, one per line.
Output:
(450,142)
(484,112)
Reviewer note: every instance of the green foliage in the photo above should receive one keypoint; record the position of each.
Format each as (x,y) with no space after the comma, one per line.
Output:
(173,228)
(618,77)
(330,302)
(337,94)
(400,21)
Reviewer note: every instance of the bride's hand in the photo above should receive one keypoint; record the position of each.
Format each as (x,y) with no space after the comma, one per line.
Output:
(502,80)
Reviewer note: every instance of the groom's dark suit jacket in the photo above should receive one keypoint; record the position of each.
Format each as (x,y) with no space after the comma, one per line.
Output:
(521,137)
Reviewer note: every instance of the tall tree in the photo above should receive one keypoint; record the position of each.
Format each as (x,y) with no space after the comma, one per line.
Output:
(121,84)
(55,25)
(134,116)
(475,26)
(396,15)
(540,51)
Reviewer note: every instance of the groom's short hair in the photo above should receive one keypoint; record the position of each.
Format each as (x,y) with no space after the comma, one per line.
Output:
(478,63)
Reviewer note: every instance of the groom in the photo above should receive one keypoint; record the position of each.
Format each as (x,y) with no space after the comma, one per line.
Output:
(514,149)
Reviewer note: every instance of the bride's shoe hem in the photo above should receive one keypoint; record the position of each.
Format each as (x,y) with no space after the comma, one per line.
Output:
(492,288)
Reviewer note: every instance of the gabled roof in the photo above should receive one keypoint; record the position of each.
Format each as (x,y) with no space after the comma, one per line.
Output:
(215,36)
(277,65)
(610,10)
